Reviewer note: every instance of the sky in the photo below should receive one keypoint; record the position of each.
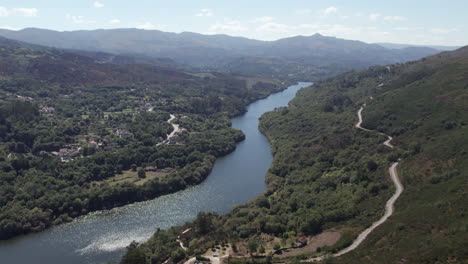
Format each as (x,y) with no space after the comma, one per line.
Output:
(424,22)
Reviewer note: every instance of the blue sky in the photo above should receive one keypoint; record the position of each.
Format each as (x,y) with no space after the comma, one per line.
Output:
(398,21)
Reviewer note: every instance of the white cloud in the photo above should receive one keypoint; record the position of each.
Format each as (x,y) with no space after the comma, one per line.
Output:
(273,27)
(9,28)
(374,17)
(205,12)
(264,19)
(443,30)
(4,12)
(79,19)
(227,25)
(27,12)
(150,26)
(394,18)
(114,21)
(98,4)
(329,11)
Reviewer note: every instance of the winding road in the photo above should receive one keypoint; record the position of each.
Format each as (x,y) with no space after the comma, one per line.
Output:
(175,126)
(174,131)
(389,206)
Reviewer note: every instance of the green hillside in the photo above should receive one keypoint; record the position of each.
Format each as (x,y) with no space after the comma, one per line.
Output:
(328,177)
(78,136)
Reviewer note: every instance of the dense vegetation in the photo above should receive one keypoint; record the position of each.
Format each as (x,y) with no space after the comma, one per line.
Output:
(78,136)
(326,175)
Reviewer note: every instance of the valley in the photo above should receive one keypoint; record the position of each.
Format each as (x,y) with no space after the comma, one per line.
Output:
(233,132)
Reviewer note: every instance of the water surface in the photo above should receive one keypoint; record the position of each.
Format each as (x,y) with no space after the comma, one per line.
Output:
(102,236)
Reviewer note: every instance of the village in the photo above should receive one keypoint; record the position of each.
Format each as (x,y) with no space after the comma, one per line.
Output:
(70,152)
(116,134)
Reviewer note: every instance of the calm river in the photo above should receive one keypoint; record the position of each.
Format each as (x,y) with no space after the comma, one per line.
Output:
(101,237)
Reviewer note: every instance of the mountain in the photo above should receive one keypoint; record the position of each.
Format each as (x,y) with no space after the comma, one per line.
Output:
(329,54)
(329,181)
(402,46)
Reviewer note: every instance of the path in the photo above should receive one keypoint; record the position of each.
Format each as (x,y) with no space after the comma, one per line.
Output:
(175,126)
(389,206)
(174,131)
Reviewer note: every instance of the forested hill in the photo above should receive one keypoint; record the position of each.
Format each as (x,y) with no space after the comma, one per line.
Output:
(330,178)
(21,60)
(297,58)
(78,136)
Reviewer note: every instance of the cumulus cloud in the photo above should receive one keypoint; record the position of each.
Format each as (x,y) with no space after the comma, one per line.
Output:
(98,4)
(329,11)
(114,21)
(205,12)
(27,12)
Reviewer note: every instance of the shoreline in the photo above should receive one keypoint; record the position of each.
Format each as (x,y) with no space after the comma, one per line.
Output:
(104,209)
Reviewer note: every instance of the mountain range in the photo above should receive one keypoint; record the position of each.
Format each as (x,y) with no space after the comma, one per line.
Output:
(313,56)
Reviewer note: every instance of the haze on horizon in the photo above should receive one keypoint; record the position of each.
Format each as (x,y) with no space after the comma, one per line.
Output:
(410,22)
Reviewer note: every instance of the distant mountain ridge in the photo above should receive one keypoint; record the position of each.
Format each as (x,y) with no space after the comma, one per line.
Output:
(316,54)
(402,46)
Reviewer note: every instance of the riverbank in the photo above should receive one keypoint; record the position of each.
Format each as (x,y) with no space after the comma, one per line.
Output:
(102,236)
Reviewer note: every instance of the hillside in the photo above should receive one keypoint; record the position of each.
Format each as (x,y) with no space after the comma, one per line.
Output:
(78,136)
(329,179)
(316,55)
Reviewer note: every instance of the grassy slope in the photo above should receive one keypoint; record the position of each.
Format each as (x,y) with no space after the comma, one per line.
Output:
(430,224)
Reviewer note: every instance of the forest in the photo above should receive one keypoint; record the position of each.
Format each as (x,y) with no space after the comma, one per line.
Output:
(79,136)
(328,176)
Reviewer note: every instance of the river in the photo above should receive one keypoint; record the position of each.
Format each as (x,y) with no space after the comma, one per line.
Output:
(101,237)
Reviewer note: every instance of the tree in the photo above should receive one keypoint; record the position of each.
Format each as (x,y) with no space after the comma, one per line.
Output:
(134,255)
(203,223)
(141,173)
(252,245)
(177,255)
(277,247)
(371,165)
(261,250)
